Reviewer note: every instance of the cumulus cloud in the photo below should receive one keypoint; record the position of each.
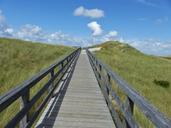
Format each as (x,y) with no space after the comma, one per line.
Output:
(5,30)
(92,13)
(112,35)
(9,30)
(29,31)
(95,27)
(151,46)
(65,39)
(36,33)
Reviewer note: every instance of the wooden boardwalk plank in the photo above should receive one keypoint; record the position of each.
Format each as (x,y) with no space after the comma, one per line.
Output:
(83,105)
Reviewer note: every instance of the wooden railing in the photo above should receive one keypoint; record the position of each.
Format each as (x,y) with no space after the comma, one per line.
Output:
(105,76)
(22,118)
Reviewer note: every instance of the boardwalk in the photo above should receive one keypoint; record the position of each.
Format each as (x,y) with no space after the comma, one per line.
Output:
(82,103)
(74,99)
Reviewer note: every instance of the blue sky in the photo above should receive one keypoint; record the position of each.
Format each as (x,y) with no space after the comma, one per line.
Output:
(144,24)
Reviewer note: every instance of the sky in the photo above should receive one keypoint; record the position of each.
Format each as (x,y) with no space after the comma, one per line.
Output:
(144,24)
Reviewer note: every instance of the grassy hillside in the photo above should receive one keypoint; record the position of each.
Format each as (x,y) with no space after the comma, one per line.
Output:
(20,60)
(168,58)
(149,75)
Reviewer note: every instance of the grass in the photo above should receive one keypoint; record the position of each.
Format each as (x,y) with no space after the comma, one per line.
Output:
(20,60)
(168,58)
(149,75)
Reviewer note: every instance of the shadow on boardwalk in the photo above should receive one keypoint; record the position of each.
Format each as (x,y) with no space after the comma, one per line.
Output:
(51,114)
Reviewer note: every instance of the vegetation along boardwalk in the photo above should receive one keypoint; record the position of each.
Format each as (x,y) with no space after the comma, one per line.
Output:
(83,105)
(79,93)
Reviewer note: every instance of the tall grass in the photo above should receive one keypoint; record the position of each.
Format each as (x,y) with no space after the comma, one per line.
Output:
(149,75)
(20,60)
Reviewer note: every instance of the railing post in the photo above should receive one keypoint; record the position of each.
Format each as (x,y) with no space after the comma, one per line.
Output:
(61,67)
(131,103)
(94,64)
(109,92)
(109,84)
(129,109)
(71,56)
(100,69)
(68,59)
(52,75)
(24,102)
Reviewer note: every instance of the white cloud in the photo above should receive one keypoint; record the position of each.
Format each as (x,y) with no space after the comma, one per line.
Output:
(93,13)
(148,46)
(29,30)
(151,46)
(36,33)
(9,30)
(66,39)
(95,27)
(112,34)
(5,30)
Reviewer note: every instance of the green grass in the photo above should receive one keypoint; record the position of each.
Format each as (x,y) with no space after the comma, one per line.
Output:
(168,58)
(149,75)
(19,61)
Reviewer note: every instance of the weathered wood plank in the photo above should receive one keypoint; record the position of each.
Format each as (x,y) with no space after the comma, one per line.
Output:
(83,105)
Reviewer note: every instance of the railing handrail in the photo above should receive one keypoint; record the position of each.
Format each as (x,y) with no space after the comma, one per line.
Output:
(151,112)
(21,90)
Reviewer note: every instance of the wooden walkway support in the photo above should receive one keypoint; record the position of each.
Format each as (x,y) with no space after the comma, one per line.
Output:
(83,105)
